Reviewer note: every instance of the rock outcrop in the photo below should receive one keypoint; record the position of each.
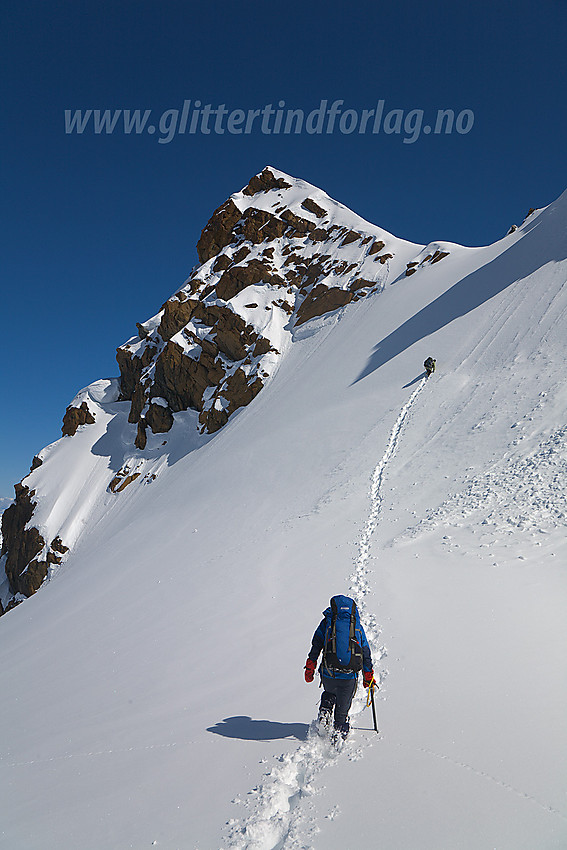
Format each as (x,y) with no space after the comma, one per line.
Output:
(322,300)
(432,256)
(74,417)
(22,546)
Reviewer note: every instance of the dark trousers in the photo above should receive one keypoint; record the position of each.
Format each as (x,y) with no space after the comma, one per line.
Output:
(338,693)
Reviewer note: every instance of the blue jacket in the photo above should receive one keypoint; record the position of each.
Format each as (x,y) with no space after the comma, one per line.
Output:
(319,641)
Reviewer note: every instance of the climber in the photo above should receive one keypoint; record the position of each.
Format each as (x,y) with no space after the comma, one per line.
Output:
(429,365)
(345,652)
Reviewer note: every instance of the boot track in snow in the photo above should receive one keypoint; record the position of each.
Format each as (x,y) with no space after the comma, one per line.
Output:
(278,821)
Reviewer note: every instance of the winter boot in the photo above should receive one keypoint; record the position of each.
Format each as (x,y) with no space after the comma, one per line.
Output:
(324,719)
(325,711)
(341,731)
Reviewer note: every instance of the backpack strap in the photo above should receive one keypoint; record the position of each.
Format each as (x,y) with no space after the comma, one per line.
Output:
(352,621)
(330,646)
(333,635)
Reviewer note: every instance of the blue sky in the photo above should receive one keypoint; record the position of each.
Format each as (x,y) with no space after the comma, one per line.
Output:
(99,229)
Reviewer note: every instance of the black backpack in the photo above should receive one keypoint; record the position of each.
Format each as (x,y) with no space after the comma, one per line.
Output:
(342,651)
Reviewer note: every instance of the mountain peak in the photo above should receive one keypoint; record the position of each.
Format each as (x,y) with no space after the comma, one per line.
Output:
(277,254)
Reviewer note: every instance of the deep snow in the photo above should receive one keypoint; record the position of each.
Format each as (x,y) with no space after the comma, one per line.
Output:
(153,690)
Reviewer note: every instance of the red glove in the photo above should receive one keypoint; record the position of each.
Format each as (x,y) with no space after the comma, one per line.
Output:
(309,670)
(368,679)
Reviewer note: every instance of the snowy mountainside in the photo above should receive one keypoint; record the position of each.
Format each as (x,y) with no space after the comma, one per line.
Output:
(166,655)
(275,255)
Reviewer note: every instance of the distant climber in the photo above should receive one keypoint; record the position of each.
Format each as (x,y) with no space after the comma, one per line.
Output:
(345,652)
(429,365)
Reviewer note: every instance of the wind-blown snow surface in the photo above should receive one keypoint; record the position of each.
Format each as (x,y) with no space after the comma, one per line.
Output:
(153,692)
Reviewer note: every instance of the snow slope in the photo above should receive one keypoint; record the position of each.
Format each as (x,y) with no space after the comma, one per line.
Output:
(154,693)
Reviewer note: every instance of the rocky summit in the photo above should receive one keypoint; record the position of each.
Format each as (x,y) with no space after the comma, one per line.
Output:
(273,256)
(276,255)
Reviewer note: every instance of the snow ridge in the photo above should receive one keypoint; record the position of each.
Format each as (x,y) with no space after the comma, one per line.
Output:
(278,822)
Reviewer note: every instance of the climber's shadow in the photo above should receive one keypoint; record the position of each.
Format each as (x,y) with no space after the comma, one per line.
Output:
(415,380)
(258,730)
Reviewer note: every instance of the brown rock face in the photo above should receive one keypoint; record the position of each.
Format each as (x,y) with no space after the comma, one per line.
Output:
(222,263)
(239,392)
(322,300)
(259,225)
(22,545)
(175,317)
(264,182)
(230,342)
(314,208)
(438,255)
(57,546)
(237,278)
(262,347)
(213,420)
(218,232)
(31,580)
(130,373)
(138,403)
(75,416)
(318,235)
(120,483)
(429,259)
(181,377)
(159,418)
(360,283)
(141,436)
(299,226)
(351,236)
(239,255)
(376,247)
(180,380)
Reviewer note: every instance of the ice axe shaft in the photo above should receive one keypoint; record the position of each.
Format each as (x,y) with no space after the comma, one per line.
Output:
(373,708)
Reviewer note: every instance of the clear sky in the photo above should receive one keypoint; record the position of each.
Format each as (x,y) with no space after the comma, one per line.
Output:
(98,229)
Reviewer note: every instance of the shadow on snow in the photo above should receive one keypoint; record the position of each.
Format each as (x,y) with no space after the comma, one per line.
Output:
(415,381)
(522,259)
(258,730)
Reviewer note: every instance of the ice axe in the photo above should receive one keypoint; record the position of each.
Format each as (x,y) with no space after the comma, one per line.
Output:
(370,701)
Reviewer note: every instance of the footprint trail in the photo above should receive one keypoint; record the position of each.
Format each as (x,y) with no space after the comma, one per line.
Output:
(279,818)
